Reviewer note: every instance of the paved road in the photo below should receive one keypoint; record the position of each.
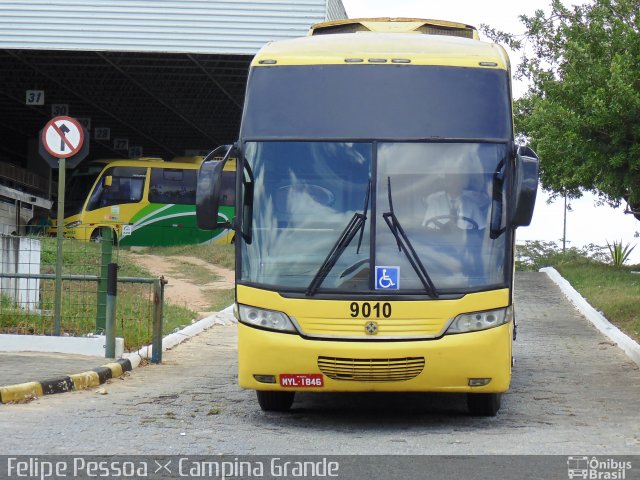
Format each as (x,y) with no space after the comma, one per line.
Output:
(573,393)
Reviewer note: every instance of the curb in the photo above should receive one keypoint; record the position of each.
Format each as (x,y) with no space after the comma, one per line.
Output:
(92,378)
(621,339)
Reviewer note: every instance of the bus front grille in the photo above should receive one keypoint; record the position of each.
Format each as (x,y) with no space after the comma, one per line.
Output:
(371,369)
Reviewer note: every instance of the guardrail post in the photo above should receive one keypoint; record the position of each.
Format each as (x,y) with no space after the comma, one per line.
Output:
(110,327)
(158,302)
(106,257)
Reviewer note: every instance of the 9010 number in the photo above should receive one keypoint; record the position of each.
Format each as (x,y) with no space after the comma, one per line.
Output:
(367,309)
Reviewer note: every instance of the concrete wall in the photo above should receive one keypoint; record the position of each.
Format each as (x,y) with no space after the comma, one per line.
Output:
(20,255)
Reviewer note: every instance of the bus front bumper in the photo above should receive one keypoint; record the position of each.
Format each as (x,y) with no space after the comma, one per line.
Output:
(451,364)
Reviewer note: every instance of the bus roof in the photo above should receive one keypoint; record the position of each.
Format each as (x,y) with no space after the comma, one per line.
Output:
(104,161)
(159,163)
(189,159)
(151,162)
(396,25)
(383,47)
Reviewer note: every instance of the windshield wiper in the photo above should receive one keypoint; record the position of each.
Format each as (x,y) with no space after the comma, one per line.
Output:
(364,213)
(355,225)
(404,245)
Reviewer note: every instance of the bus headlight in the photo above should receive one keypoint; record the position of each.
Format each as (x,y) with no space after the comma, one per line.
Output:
(263,318)
(73,224)
(473,322)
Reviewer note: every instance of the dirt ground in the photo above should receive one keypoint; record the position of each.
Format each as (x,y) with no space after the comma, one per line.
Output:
(182,290)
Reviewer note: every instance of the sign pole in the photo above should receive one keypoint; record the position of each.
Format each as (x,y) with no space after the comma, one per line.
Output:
(61,138)
(60,237)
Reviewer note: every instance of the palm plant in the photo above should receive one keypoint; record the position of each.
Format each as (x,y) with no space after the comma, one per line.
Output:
(619,253)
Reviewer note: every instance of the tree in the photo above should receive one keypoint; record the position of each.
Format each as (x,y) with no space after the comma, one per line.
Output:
(582,110)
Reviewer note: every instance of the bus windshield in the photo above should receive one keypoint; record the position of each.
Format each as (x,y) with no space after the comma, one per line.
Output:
(77,188)
(440,194)
(346,102)
(127,184)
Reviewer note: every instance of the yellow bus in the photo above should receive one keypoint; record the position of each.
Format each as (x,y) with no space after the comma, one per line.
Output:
(144,202)
(379,191)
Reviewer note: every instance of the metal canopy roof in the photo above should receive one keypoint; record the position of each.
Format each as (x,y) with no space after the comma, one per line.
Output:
(168,75)
(238,27)
(166,103)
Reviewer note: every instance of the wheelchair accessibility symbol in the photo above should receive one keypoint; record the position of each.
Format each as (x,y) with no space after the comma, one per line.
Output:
(387,278)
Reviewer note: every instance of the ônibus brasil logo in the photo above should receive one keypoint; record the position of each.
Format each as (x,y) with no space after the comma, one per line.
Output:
(597,468)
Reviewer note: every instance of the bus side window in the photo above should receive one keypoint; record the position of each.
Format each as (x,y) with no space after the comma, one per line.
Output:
(173,185)
(136,184)
(228,191)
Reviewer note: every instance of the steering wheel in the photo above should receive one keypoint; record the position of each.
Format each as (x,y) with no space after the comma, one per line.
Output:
(437,223)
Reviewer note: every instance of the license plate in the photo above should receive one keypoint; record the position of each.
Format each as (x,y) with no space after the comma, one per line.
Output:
(301,380)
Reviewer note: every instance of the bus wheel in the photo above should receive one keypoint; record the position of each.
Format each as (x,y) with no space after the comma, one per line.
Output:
(275,401)
(483,404)
(98,234)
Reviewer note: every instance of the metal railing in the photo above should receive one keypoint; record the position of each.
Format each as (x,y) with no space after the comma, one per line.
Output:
(12,175)
(76,301)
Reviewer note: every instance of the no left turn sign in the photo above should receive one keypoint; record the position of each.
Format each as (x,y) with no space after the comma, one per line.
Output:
(62,137)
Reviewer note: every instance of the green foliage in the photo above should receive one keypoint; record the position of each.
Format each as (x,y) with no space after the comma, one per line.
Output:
(619,253)
(82,258)
(534,255)
(79,298)
(77,257)
(582,111)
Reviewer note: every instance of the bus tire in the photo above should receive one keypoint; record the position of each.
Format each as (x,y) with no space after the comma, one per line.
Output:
(275,401)
(96,235)
(483,404)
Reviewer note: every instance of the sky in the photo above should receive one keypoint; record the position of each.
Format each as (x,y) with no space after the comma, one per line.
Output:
(586,222)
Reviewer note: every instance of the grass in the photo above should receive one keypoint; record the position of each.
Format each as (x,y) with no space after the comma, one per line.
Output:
(215,254)
(134,311)
(221,255)
(196,273)
(222,298)
(177,316)
(600,277)
(82,258)
(612,290)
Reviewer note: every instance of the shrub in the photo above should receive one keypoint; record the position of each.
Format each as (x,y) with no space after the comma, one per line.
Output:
(532,255)
(619,253)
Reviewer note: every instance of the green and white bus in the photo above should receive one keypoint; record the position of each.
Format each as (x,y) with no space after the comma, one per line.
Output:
(144,202)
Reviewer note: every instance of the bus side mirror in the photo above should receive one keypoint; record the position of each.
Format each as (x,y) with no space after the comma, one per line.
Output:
(525,186)
(208,191)
(108,181)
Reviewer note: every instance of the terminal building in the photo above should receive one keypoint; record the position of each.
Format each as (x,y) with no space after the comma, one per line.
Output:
(161,78)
